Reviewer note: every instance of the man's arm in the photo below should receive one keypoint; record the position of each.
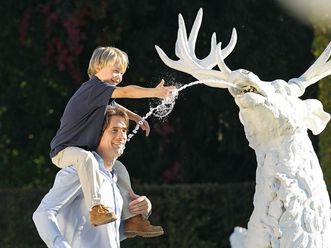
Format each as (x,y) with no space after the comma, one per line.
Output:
(65,189)
(140,205)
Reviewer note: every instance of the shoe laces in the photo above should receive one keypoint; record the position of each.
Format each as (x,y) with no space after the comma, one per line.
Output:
(102,209)
(145,220)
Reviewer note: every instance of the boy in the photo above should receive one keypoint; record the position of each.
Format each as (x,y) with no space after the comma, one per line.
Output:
(81,123)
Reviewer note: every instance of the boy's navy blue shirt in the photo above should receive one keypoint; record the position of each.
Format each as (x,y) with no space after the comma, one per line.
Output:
(82,119)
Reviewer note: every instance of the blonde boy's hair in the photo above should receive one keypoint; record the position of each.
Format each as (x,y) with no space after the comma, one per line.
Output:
(103,56)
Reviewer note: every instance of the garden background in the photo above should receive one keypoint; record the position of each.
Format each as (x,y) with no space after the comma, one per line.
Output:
(196,165)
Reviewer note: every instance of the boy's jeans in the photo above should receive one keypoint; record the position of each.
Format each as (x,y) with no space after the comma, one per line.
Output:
(87,169)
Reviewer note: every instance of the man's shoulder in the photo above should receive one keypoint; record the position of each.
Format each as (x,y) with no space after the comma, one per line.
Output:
(69,169)
(117,162)
(67,172)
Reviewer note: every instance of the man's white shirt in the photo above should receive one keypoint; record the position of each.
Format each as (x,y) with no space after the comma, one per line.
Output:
(62,218)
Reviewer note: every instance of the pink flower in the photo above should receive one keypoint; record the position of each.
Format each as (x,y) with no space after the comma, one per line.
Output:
(172,174)
(24,23)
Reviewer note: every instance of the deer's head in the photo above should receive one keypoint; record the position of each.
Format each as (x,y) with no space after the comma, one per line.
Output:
(266,108)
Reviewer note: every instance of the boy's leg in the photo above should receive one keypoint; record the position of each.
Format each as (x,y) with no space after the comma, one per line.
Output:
(135,225)
(88,173)
(87,169)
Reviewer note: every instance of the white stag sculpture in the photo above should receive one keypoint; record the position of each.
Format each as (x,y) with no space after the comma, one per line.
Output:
(291,202)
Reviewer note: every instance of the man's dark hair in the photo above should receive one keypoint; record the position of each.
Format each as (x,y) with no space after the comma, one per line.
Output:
(114,111)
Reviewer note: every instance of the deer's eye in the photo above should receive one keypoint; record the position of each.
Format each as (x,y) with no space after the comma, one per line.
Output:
(246,89)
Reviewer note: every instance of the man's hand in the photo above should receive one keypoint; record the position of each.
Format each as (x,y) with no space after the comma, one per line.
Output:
(139,204)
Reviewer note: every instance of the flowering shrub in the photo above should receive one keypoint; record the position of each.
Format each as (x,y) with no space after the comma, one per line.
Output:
(46,46)
(64,30)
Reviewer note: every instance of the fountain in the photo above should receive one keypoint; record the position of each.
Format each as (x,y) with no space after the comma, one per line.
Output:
(166,106)
(291,202)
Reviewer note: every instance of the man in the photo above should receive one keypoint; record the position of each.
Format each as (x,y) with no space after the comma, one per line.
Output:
(62,219)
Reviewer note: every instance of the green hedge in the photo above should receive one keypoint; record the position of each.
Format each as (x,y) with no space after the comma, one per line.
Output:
(193,216)
(200,215)
(325,137)
(321,40)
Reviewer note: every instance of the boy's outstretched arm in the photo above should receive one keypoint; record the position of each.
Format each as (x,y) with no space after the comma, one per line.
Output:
(136,118)
(134,91)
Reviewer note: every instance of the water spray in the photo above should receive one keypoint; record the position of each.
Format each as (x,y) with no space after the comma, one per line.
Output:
(167,104)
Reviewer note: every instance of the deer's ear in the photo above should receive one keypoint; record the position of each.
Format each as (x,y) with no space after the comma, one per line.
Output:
(315,117)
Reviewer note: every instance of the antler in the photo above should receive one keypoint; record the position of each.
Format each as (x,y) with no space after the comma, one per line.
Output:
(189,63)
(225,78)
(320,69)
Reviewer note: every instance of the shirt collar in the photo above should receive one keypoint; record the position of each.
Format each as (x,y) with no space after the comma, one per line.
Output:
(103,168)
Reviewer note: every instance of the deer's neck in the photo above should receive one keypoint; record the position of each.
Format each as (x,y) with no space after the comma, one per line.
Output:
(287,149)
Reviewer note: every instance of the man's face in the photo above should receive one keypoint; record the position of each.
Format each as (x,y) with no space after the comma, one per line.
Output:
(116,73)
(114,137)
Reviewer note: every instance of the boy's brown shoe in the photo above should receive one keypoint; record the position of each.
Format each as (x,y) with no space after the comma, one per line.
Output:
(139,226)
(100,215)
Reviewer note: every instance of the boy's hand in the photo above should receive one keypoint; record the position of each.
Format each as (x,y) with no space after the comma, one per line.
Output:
(144,126)
(164,91)
(139,204)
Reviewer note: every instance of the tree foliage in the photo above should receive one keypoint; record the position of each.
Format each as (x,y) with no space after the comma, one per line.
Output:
(321,40)
(202,140)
